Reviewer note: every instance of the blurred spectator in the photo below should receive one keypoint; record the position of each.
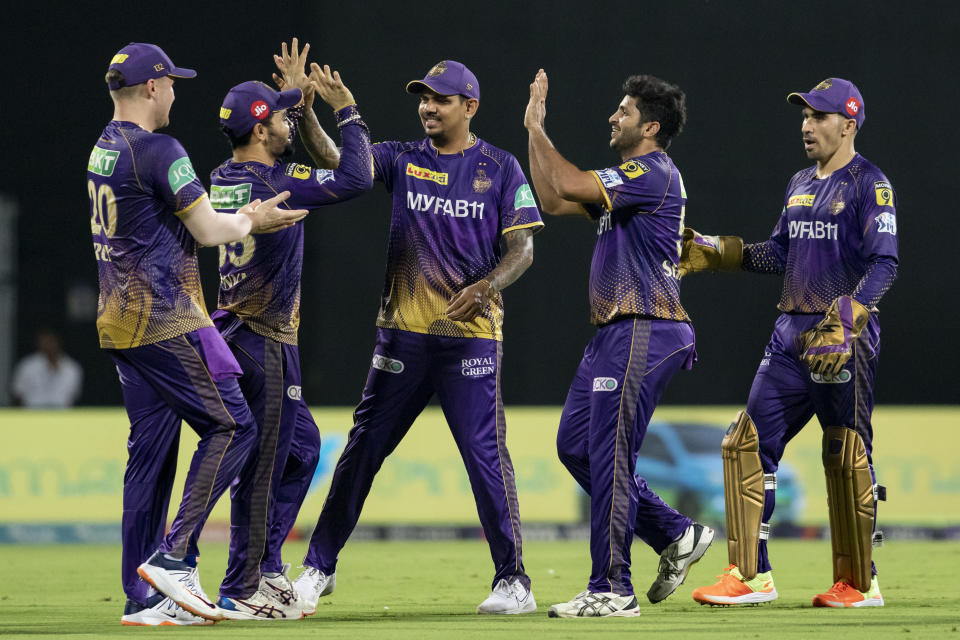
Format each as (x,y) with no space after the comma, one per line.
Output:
(49,378)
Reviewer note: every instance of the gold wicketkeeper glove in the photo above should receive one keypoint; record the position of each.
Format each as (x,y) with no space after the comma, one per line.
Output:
(827,347)
(709,253)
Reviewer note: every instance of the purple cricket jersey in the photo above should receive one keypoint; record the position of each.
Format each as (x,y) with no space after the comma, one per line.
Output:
(449,211)
(260,274)
(836,236)
(139,183)
(634,268)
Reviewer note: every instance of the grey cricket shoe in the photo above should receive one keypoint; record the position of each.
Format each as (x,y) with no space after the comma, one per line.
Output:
(676,560)
(596,605)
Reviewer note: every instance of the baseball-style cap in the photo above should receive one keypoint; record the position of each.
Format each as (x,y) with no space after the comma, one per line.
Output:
(251,102)
(139,62)
(448,78)
(833,95)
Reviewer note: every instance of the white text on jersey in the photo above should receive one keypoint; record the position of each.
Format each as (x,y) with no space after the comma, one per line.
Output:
(813,230)
(442,206)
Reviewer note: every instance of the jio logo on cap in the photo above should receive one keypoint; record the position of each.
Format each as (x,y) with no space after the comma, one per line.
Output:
(853,106)
(259,109)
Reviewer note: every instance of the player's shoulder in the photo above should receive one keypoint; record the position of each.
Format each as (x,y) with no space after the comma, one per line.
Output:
(803,176)
(864,171)
(500,156)
(392,149)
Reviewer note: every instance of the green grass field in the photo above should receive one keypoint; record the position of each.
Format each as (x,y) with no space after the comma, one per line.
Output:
(430,590)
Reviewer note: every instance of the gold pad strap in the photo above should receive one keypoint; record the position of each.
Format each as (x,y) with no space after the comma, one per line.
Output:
(743,485)
(851,500)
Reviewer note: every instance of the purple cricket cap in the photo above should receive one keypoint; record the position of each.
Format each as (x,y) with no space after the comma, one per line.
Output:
(139,62)
(833,95)
(448,78)
(251,102)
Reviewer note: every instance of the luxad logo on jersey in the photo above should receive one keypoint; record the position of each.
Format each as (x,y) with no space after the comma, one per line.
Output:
(426,174)
(839,378)
(294,392)
(387,364)
(804,200)
(473,367)
(604,384)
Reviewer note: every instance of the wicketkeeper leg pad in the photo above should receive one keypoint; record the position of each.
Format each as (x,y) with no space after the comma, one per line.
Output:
(743,483)
(851,496)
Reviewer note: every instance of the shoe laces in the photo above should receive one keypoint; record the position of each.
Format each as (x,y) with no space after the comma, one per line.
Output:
(840,587)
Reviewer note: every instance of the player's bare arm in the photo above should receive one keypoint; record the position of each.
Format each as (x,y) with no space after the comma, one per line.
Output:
(212,228)
(561,185)
(471,301)
(292,67)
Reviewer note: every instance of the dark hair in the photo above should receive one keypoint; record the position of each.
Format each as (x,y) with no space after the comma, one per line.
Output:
(241,141)
(658,101)
(117,77)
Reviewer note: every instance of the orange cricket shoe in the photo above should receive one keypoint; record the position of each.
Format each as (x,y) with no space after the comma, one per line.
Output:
(843,594)
(734,589)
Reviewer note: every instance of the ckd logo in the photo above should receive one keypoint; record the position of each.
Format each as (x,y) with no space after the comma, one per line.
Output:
(839,378)
(604,384)
(387,364)
(294,392)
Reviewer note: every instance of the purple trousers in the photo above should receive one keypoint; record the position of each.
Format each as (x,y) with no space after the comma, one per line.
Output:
(190,377)
(408,368)
(624,371)
(268,493)
(785,395)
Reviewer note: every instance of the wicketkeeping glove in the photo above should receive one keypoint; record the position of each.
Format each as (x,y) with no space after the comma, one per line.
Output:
(827,347)
(709,253)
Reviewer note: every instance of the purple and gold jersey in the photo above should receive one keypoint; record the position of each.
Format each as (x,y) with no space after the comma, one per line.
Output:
(449,212)
(640,225)
(260,275)
(836,236)
(139,183)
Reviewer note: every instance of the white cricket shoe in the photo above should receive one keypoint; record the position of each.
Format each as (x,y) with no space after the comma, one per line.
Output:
(278,588)
(676,560)
(159,611)
(311,585)
(179,581)
(508,598)
(596,605)
(259,606)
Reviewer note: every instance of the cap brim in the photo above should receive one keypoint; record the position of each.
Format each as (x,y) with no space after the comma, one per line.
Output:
(417,86)
(182,72)
(805,99)
(289,98)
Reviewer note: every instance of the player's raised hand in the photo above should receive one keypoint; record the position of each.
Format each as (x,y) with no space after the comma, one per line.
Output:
(470,301)
(291,63)
(267,216)
(330,87)
(537,106)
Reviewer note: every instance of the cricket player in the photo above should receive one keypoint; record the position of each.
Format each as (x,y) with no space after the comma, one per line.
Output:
(149,212)
(440,326)
(259,311)
(836,246)
(643,337)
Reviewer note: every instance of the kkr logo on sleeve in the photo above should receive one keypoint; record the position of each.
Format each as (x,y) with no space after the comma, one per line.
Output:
(884,193)
(387,364)
(604,384)
(426,174)
(805,200)
(180,174)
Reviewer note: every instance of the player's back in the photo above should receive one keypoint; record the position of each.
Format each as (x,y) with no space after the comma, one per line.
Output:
(139,183)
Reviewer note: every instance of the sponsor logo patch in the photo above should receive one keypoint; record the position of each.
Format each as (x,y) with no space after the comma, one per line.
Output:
(438,69)
(102,161)
(473,367)
(120,58)
(225,113)
(231,196)
(823,86)
(605,384)
(884,193)
(523,197)
(813,230)
(259,110)
(387,364)
(609,178)
(887,223)
(325,175)
(840,378)
(634,168)
(444,207)
(294,392)
(298,171)
(426,174)
(852,106)
(805,200)
(180,174)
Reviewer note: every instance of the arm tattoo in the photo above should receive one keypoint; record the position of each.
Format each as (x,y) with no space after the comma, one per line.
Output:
(518,258)
(317,143)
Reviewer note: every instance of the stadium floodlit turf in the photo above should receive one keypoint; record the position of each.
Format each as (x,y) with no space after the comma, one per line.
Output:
(430,590)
